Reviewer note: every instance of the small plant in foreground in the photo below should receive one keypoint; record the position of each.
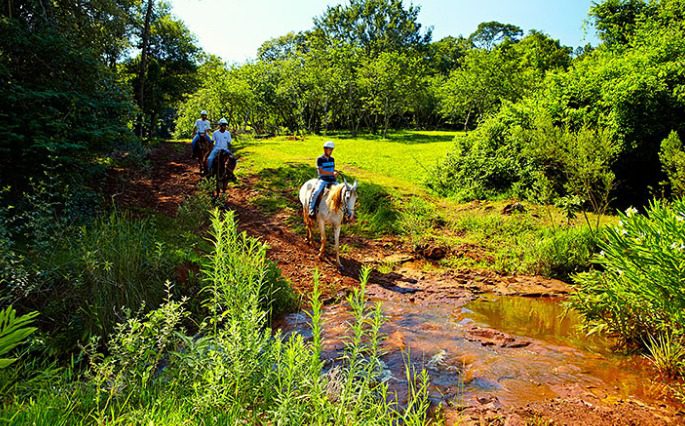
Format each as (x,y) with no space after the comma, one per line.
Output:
(667,353)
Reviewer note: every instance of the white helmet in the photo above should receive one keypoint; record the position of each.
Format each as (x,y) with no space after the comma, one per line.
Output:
(203,112)
(329,144)
(223,121)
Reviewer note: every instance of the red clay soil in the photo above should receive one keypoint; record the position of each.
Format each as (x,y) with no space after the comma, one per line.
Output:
(173,176)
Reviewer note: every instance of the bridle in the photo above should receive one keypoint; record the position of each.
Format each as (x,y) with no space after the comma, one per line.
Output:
(346,209)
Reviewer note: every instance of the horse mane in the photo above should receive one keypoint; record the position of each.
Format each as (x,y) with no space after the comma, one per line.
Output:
(335,199)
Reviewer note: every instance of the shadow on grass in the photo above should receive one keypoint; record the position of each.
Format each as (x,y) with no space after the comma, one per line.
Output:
(405,137)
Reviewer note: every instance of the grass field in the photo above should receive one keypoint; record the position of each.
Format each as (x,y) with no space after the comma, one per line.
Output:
(401,162)
(394,200)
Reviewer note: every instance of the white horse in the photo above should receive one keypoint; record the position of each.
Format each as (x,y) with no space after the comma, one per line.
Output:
(337,204)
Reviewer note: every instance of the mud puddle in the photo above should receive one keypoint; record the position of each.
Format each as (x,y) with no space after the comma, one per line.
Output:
(489,356)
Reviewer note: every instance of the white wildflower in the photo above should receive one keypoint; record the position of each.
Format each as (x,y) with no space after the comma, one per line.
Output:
(631,211)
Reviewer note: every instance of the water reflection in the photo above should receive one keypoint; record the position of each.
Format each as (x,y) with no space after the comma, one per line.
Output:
(546,319)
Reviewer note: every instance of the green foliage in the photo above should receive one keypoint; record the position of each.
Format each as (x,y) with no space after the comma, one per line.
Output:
(488,34)
(672,156)
(570,205)
(13,332)
(233,370)
(581,129)
(637,292)
(561,253)
(122,264)
(373,25)
(521,153)
(667,353)
(418,217)
(75,105)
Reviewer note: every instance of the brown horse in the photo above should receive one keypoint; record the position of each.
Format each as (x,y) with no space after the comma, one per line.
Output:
(222,171)
(203,148)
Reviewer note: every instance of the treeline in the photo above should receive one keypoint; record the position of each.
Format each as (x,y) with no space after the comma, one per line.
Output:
(606,131)
(370,65)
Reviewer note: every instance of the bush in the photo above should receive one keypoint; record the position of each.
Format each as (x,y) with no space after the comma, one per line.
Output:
(672,156)
(561,252)
(638,291)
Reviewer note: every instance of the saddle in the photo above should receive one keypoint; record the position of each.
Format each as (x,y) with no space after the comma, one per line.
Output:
(321,194)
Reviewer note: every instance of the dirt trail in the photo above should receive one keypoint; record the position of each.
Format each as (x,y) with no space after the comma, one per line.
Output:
(411,291)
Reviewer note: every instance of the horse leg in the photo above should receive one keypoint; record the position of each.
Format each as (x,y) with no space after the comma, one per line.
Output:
(308,224)
(322,229)
(336,232)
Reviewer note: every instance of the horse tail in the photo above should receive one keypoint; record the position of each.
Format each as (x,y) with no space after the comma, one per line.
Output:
(334,200)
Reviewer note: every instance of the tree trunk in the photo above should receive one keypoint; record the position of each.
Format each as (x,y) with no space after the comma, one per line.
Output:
(143,60)
(466,122)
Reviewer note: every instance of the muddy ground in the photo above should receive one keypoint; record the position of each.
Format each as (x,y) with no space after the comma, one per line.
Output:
(503,378)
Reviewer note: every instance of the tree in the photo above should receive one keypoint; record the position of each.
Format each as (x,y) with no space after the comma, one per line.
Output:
(376,26)
(446,54)
(489,34)
(390,84)
(142,66)
(540,53)
(172,56)
(484,80)
(283,47)
(616,20)
(67,108)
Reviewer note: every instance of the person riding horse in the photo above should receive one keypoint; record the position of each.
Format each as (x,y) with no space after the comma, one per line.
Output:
(337,204)
(222,142)
(201,129)
(325,165)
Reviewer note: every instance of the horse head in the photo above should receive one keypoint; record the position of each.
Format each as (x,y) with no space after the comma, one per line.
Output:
(350,200)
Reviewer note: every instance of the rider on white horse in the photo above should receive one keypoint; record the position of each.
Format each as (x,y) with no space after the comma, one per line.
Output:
(325,165)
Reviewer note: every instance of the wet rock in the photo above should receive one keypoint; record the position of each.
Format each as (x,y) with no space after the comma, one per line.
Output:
(513,208)
(517,344)
(431,251)
(398,259)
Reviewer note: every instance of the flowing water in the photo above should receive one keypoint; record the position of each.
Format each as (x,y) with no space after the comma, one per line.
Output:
(496,351)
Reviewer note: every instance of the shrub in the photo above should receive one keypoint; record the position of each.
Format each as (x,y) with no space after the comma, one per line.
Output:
(638,291)
(672,156)
(561,252)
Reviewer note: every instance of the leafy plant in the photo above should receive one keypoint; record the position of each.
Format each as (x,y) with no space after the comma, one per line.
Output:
(569,205)
(637,292)
(13,332)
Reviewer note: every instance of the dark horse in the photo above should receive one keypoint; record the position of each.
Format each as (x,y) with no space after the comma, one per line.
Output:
(202,150)
(222,171)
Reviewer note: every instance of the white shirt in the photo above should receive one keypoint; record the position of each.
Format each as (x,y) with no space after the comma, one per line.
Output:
(202,125)
(222,140)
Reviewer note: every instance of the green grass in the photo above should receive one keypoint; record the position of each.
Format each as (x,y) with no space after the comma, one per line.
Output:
(401,162)
(394,200)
